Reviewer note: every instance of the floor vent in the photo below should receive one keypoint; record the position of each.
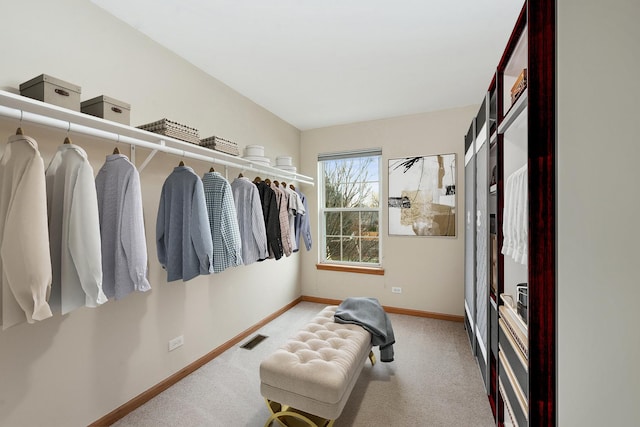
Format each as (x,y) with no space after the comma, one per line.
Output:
(253,342)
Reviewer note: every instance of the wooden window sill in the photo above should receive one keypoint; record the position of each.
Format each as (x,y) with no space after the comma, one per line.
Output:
(379,271)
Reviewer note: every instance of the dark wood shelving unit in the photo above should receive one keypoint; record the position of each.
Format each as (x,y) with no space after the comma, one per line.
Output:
(518,132)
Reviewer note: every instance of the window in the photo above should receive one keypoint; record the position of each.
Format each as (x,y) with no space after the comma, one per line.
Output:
(350,207)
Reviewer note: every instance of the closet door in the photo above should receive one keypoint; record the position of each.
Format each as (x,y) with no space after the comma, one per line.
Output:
(513,370)
(513,354)
(482,241)
(469,236)
(494,280)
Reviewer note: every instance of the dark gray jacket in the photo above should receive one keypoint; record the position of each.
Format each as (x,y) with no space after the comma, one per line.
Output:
(368,313)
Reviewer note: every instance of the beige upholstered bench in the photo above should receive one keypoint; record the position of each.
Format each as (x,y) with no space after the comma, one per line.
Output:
(310,378)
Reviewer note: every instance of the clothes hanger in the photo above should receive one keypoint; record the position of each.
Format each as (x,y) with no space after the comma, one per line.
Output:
(240,175)
(181,163)
(257,179)
(284,184)
(116,151)
(268,182)
(67,140)
(211,169)
(291,186)
(276,183)
(19,130)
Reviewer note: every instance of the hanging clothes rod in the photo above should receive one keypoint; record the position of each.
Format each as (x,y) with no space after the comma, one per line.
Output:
(156,143)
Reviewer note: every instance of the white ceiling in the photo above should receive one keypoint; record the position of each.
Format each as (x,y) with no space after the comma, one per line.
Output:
(318,63)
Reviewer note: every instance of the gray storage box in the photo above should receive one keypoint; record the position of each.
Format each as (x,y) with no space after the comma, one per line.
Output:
(53,91)
(107,108)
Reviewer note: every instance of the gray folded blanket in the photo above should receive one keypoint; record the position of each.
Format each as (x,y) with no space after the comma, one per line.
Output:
(368,313)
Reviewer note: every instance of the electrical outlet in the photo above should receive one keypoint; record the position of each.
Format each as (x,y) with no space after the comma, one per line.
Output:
(176,342)
(396,290)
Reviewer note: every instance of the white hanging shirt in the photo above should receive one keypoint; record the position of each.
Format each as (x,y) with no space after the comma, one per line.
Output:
(515,224)
(25,266)
(74,231)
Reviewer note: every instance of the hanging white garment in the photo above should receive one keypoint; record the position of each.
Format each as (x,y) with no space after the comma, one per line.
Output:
(515,222)
(521,250)
(25,266)
(507,216)
(74,231)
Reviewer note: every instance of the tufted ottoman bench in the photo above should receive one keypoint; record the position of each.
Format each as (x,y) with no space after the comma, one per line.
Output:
(310,378)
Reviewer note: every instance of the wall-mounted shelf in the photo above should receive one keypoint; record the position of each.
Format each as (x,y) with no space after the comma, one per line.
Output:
(27,110)
(514,112)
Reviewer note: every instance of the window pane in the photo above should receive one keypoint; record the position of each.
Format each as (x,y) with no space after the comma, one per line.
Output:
(351,249)
(352,182)
(332,223)
(370,250)
(351,224)
(333,248)
(355,195)
(369,224)
(334,195)
(369,194)
(367,183)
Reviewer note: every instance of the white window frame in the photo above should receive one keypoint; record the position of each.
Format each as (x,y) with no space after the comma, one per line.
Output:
(322,210)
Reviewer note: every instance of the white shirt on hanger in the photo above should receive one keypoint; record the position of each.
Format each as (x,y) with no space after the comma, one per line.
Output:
(74,231)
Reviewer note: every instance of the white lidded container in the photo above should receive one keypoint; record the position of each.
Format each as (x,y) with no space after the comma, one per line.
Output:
(284,161)
(254,150)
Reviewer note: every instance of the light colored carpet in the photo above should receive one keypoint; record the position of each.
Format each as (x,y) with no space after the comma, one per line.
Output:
(434,381)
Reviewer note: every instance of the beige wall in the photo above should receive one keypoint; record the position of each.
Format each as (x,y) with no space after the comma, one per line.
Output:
(430,270)
(72,370)
(598,199)
(79,367)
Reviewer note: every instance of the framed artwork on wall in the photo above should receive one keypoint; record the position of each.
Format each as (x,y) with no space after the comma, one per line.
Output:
(422,196)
